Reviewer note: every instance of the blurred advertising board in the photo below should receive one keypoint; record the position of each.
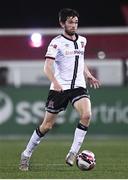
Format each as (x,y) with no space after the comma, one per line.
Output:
(108,71)
(22,110)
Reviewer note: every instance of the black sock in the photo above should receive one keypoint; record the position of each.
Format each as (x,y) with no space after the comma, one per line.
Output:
(40,134)
(81,126)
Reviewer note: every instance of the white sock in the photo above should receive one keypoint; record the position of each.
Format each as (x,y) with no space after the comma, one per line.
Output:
(78,140)
(33,142)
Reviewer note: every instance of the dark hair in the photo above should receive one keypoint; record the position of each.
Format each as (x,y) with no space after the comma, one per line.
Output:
(67,12)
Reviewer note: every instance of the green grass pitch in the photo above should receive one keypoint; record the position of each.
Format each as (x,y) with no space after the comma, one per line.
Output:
(48,161)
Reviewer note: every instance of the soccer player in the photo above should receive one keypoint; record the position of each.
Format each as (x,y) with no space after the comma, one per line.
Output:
(68,84)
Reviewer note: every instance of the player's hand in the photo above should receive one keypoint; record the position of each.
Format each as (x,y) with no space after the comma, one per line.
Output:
(93,82)
(57,87)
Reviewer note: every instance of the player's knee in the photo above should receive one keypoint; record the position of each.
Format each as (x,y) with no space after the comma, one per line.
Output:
(86,116)
(48,126)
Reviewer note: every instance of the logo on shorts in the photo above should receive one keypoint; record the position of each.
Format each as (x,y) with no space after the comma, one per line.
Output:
(51,104)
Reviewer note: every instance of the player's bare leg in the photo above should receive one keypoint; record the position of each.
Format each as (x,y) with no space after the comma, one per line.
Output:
(35,139)
(83,106)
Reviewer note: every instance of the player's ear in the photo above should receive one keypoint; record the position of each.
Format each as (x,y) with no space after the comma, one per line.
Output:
(61,24)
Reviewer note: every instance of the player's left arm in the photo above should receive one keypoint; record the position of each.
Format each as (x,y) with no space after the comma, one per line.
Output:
(93,82)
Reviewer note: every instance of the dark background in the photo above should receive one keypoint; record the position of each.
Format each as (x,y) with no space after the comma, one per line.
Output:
(40,13)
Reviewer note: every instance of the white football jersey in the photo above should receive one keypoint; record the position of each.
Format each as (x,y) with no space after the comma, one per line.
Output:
(69,61)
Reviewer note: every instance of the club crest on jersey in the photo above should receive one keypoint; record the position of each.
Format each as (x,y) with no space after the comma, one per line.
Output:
(82,44)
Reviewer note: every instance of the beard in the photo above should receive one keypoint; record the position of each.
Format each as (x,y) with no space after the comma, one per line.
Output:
(70,33)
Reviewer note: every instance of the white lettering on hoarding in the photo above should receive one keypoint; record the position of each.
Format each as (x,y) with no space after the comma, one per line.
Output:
(109,114)
(6,107)
(27,112)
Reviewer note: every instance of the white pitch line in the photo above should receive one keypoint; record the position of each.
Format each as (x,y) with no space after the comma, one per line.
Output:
(40,164)
(55,164)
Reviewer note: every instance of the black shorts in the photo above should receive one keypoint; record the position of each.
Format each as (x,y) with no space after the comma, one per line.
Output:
(58,101)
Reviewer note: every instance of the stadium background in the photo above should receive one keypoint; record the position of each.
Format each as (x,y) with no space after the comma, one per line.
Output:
(23,88)
(23,85)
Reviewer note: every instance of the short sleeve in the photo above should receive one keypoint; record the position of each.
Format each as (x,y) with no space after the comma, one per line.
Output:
(52,49)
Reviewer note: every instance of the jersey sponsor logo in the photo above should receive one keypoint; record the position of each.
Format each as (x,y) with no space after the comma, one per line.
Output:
(74,52)
(66,45)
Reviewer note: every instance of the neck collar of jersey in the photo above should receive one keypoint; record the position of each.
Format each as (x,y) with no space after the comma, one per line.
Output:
(70,39)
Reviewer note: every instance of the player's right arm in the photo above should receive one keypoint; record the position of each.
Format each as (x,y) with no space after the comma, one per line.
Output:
(91,79)
(48,70)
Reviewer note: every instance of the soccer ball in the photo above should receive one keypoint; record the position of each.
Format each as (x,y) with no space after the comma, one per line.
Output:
(86,160)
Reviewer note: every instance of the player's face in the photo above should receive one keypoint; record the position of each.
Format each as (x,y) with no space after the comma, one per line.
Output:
(71,25)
